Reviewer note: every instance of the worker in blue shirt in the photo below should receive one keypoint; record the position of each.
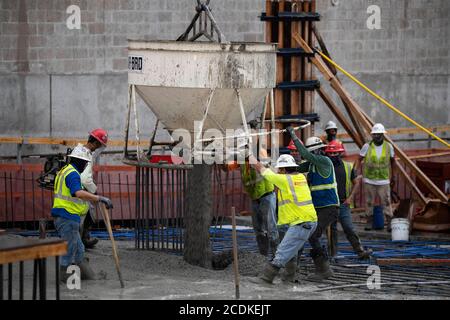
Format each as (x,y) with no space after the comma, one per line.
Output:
(71,202)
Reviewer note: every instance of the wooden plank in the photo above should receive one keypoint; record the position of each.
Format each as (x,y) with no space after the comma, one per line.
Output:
(295,63)
(367,123)
(37,252)
(60,141)
(307,72)
(269,12)
(413,262)
(340,116)
(408,130)
(279,100)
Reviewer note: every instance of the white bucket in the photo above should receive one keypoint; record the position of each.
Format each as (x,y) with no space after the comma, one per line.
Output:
(400,229)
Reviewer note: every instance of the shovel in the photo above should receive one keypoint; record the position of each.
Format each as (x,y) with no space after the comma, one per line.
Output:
(114,249)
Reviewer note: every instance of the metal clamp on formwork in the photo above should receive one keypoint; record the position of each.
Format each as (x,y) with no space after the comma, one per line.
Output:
(306,85)
(203,15)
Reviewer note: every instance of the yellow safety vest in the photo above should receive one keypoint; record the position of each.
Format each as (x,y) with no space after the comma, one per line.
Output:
(295,204)
(254,184)
(63,198)
(348,179)
(377,168)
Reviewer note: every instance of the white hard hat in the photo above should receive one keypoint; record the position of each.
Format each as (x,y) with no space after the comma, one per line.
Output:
(330,125)
(81,152)
(378,128)
(286,161)
(314,143)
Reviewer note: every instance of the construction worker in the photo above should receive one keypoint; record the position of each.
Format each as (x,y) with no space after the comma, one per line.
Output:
(347,184)
(330,132)
(378,161)
(96,143)
(295,210)
(322,182)
(71,202)
(262,194)
(293,151)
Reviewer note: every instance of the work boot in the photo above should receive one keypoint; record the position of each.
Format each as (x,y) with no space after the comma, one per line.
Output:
(358,248)
(290,268)
(322,265)
(263,243)
(269,273)
(88,242)
(87,273)
(363,254)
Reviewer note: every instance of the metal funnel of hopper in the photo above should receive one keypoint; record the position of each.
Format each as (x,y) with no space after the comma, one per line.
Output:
(183,82)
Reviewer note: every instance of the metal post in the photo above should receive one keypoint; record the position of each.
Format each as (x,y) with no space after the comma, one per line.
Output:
(21,280)
(10,279)
(136,122)
(1,282)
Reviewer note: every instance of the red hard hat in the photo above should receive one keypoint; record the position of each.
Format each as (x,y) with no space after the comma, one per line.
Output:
(291,145)
(101,135)
(334,146)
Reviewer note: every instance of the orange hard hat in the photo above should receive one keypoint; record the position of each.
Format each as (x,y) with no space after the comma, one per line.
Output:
(101,135)
(334,146)
(292,146)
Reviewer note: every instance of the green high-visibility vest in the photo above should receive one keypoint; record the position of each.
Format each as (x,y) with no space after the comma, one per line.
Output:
(348,179)
(254,184)
(63,198)
(377,168)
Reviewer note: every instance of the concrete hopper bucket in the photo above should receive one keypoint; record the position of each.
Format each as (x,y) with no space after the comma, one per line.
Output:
(182,82)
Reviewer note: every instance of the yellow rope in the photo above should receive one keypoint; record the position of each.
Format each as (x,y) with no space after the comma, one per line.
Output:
(383,100)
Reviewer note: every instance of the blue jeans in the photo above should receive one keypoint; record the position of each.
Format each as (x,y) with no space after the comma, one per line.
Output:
(292,242)
(70,231)
(345,219)
(264,221)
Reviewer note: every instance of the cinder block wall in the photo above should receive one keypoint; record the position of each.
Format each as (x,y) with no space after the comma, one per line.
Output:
(61,82)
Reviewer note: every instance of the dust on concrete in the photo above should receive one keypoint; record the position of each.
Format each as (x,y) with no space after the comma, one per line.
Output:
(158,275)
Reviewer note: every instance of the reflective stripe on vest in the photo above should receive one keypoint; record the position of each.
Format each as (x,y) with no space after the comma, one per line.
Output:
(294,195)
(62,197)
(254,184)
(323,189)
(294,201)
(377,168)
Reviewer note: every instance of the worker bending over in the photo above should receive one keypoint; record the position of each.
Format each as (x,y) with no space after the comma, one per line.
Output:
(71,202)
(95,145)
(347,184)
(295,209)
(322,182)
(378,161)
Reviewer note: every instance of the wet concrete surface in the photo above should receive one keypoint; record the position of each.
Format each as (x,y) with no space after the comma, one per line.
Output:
(164,276)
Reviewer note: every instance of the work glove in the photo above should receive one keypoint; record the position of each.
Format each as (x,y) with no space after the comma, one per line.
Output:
(106,201)
(294,137)
(291,131)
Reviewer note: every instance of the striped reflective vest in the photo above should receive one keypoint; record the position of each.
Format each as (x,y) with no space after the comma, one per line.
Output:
(294,200)
(63,198)
(323,189)
(254,184)
(377,168)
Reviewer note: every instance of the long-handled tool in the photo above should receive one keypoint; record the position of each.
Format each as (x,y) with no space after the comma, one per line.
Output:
(114,249)
(235,253)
